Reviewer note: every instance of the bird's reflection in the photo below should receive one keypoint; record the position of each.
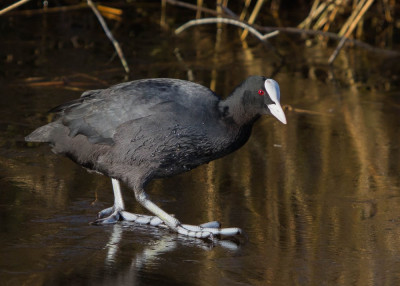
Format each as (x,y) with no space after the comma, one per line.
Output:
(113,244)
(168,242)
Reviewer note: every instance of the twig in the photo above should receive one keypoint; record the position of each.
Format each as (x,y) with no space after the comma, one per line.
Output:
(199,5)
(233,15)
(109,10)
(349,31)
(252,18)
(192,7)
(109,35)
(352,17)
(323,19)
(294,30)
(180,59)
(337,50)
(260,36)
(163,23)
(244,10)
(49,10)
(358,18)
(313,14)
(264,28)
(332,16)
(13,6)
(330,35)
(304,111)
(229,12)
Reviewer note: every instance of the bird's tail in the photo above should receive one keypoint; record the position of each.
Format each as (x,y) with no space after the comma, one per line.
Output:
(42,134)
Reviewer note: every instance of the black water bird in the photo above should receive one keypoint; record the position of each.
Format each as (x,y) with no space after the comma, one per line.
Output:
(153,128)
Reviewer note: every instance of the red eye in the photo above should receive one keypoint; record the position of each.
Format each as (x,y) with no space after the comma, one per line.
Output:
(261,92)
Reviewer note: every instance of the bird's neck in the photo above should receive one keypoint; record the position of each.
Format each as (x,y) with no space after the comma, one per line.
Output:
(234,108)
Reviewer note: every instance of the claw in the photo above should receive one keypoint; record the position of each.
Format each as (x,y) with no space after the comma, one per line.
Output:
(105,213)
(211,224)
(113,218)
(231,231)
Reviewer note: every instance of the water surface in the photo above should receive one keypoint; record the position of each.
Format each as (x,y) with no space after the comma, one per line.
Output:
(319,198)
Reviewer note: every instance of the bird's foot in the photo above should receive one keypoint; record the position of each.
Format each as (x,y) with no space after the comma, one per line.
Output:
(141,219)
(108,216)
(113,215)
(208,230)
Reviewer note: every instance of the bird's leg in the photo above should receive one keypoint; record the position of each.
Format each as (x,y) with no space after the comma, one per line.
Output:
(112,214)
(208,230)
(117,211)
(161,219)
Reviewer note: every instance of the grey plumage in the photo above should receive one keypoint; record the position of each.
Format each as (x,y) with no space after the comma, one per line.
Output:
(137,131)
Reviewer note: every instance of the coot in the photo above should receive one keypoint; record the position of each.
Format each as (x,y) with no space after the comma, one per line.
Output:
(153,128)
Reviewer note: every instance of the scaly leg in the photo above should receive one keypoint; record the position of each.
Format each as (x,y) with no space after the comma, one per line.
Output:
(117,211)
(112,214)
(207,230)
(161,218)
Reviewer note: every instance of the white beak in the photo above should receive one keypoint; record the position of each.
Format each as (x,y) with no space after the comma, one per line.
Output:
(277,111)
(272,87)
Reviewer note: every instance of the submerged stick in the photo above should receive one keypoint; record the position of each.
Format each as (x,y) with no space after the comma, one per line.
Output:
(249,28)
(13,6)
(304,111)
(109,35)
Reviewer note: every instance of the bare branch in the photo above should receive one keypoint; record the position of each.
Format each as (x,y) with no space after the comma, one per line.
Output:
(13,6)
(109,35)
(192,7)
(253,17)
(249,28)
(292,30)
(352,26)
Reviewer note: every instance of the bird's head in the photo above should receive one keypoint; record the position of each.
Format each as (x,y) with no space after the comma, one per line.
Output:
(264,94)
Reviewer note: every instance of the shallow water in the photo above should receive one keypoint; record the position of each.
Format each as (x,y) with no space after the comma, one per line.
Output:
(319,198)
